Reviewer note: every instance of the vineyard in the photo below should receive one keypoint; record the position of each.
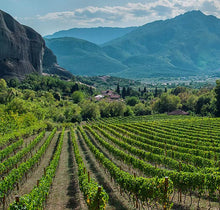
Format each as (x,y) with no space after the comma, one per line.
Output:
(147,162)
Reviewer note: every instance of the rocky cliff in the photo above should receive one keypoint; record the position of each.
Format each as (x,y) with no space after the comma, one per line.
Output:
(22,51)
(50,65)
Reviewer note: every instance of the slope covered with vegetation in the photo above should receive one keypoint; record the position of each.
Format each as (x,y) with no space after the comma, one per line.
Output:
(186,45)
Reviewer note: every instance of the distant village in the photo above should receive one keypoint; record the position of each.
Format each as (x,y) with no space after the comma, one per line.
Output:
(108,94)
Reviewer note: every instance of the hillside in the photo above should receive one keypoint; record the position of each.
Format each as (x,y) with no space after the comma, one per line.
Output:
(97,35)
(186,45)
(82,57)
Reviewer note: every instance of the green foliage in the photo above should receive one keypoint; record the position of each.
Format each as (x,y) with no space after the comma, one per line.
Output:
(96,198)
(132,101)
(129,111)
(206,104)
(167,103)
(35,199)
(90,110)
(148,96)
(17,173)
(51,83)
(116,108)
(72,113)
(3,84)
(143,186)
(178,90)
(142,109)
(77,96)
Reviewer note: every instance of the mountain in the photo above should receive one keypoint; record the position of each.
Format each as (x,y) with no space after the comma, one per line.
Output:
(22,50)
(186,45)
(83,57)
(97,35)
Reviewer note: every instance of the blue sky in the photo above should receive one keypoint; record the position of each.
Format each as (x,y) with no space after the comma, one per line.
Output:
(49,16)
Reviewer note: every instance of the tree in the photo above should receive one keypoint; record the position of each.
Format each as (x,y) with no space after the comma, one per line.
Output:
(167,103)
(129,111)
(75,87)
(78,96)
(156,92)
(13,83)
(3,84)
(123,93)
(191,103)
(141,109)
(118,89)
(117,108)
(128,92)
(132,101)
(90,110)
(103,107)
(205,104)
(72,113)
(148,96)
(91,91)
(178,90)
(57,96)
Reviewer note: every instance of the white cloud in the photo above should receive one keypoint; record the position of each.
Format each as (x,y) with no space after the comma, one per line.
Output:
(126,15)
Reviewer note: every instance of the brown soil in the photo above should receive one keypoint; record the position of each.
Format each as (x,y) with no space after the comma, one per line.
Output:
(120,163)
(26,142)
(186,200)
(65,193)
(117,201)
(33,151)
(25,186)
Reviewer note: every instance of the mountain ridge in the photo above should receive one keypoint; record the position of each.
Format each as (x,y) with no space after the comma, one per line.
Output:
(90,34)
(186,45)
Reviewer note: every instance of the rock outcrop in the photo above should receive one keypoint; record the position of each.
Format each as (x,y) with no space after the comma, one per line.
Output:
(50,65)
(22,50)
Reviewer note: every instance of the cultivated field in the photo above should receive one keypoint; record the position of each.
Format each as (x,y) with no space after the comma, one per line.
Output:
(149,162)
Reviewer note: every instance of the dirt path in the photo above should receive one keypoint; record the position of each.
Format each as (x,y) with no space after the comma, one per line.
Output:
(27,185)
(65,193)
(116,200)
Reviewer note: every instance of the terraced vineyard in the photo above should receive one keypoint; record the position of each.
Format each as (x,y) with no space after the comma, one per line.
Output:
(144,162)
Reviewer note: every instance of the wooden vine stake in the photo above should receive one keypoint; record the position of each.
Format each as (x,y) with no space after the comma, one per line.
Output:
(165,193)
(44,171)
(38,181)
(88,177)
(17,199)
(99,192)
(180,191)
(3,202)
